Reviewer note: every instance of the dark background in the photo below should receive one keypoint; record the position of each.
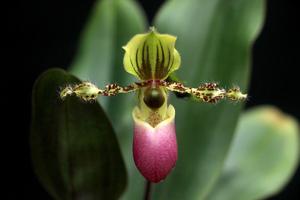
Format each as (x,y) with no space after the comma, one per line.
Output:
(44,34)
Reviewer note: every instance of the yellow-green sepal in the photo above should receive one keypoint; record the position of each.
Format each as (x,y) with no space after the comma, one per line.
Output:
(151,55)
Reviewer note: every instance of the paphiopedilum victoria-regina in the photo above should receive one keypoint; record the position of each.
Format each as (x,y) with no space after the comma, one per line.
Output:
(152,57)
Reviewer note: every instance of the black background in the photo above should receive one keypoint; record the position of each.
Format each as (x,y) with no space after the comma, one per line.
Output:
(44,34)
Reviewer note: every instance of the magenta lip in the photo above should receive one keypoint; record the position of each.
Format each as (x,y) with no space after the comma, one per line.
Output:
(155,149)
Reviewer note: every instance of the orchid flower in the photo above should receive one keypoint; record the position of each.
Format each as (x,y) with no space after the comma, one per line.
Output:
(152,57)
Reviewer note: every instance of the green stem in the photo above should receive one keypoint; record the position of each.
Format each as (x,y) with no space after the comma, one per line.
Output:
(147,194)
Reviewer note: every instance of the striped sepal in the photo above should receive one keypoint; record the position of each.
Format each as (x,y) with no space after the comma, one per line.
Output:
(151,56)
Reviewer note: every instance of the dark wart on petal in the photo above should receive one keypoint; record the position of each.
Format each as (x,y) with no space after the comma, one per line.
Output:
(154,98)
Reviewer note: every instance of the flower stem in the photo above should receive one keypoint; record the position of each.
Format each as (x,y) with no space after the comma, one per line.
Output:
(147,193)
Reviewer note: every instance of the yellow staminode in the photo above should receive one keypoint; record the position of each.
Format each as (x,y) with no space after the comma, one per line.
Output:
(151,55)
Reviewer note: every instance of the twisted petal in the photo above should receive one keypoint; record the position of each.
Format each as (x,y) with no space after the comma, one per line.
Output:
(155,148)
(151,55)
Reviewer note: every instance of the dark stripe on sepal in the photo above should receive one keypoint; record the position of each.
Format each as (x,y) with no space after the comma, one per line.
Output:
(136,70)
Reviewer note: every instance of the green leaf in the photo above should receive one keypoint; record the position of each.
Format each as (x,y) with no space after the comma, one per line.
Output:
(263,157)
(100,60)
(100,56)
(112,23)
(214,39)
(74,150)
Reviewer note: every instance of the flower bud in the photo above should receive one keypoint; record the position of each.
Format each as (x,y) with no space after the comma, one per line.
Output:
(155,148)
